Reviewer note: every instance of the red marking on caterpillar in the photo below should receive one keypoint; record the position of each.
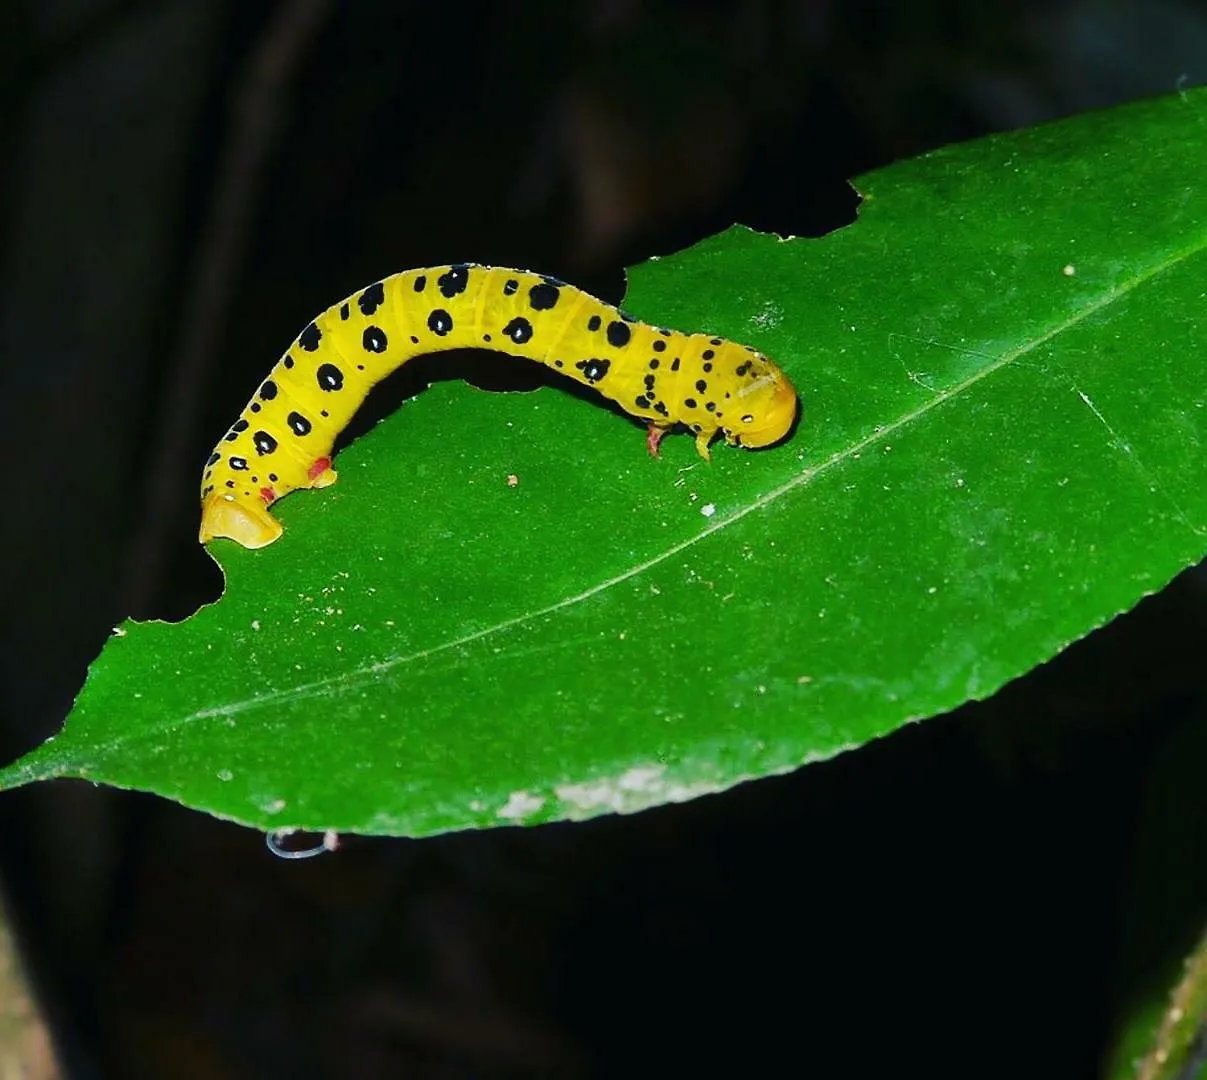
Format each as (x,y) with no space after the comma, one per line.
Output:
(268,495)
(653,439)
(320,466)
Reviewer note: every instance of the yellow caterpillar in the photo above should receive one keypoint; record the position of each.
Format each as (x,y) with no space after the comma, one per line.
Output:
(283,439)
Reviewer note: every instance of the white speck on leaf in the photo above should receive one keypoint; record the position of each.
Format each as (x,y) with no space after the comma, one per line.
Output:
(635,789)
(520,805)
(771,316)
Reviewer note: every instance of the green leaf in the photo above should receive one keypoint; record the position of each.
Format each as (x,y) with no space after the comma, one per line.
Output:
(1004,377)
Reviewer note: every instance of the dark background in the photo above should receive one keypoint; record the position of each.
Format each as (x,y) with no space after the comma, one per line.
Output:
(185,183)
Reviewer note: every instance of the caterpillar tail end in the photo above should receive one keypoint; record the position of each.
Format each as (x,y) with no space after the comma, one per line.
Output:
(250,525)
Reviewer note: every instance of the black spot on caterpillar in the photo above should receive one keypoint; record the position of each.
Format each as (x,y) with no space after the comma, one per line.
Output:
(359,341)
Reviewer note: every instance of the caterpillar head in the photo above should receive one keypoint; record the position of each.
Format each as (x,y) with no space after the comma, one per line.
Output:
(249,524)
(764,412)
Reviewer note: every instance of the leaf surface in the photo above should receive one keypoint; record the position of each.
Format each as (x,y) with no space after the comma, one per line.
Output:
(505,611)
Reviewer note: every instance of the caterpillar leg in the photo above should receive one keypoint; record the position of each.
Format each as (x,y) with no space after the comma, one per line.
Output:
(653,438)
(249,524)
(321,473)
(703,438)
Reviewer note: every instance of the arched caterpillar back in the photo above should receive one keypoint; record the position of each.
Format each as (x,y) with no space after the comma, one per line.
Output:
(283,439)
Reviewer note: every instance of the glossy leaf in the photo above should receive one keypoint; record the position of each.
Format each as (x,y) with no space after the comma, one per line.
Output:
(505,611)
